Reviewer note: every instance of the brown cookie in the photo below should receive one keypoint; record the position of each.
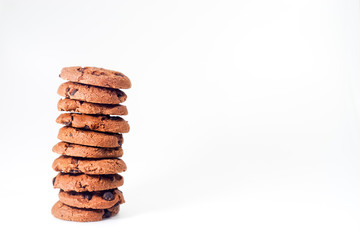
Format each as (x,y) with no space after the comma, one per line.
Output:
(90,138)
(96,76)
(65,212)
(68,164)
(76,150)
(72,105)
(94,200)
(91,94)
(95,123)
(87,183)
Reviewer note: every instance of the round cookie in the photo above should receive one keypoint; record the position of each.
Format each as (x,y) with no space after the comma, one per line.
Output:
(91,94)
(87,183)
(90,138)
(65,212)
(76,150)
(72,105)
(94,123)
(94,200)
(96,76)
(68,164)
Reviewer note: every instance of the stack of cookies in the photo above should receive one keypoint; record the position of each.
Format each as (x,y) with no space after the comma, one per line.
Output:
(91,144)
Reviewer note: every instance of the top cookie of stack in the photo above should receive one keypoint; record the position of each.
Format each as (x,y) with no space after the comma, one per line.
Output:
(96,77)
(91,143)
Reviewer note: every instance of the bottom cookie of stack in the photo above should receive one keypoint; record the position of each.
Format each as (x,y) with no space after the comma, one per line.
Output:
(65,212)
(87,206)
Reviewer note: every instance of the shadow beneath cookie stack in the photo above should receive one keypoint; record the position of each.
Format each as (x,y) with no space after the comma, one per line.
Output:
(91,144)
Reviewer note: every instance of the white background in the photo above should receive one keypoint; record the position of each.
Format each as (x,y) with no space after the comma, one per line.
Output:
(244,116)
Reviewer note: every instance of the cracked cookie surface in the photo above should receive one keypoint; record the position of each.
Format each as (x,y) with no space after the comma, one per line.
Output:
(76,150)
(72,105)
(91,94)
(68,164)
(94,123)
(87,183)
(90,138)
(96,76)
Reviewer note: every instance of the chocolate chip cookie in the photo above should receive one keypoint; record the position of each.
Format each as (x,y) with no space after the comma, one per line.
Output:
(91,94)
(68,164)
(76,150)
(94,123)
(87,183)
(72,105)
(90,138)
(65,212)
(94,200)
(96,76)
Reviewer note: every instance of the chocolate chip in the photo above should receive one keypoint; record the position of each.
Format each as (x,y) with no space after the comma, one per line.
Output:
(86,127)
(116,204)
(108,196)
(73,171)
(120,144)
(53,181)
(59,75)
(88,196)
(70,135)
(119,94)
(73,92)
(96,73)
(107,213)
(119,74)
(67,92)
(81,70)
(68,124)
